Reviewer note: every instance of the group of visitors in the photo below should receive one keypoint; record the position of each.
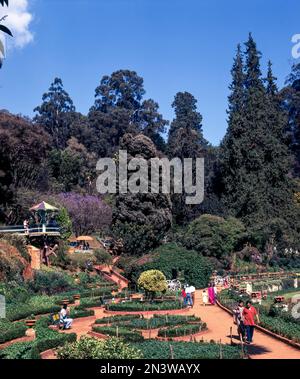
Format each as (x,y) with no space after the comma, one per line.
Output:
(188,295)
(244,317)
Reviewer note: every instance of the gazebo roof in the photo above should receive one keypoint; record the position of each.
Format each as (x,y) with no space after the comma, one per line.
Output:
(43,206)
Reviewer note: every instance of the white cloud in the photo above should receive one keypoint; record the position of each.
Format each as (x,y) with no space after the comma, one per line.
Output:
(18,21)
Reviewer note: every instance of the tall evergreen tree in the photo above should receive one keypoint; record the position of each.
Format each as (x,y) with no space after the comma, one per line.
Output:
(185,141)
(55,113)
(254,156)
(290,96)
(119,109)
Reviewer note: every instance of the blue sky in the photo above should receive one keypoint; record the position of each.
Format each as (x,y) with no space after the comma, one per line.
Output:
(175,45)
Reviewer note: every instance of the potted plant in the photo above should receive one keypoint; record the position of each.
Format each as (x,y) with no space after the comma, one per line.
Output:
(30,322)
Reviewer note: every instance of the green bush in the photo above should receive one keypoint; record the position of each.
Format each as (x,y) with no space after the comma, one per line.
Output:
(182,330)
(170,258)
(20,350)
(45,339)
(10,331)
(83,261)
(92,348)
(50,282)
(152,349)
(103,257)
(152,281)
(135,306)
(121,332)
(214,236)
(36,305)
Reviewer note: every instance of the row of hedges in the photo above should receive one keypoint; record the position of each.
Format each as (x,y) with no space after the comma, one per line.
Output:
(181,330)
(281,326)
(158,322)
(45,339)
(10,331)
(122,332)
(116,319)
(153,349)
(134,306)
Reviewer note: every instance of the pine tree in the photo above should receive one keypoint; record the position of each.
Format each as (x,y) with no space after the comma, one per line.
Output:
(185,141)
(290,96)
(231,151)
(55,113)
(255,160)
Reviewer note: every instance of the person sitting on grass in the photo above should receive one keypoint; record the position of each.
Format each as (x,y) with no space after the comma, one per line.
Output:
(64,318)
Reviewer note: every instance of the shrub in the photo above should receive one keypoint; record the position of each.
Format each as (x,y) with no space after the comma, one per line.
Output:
(152,349)
(214,236)
(10,331)
(83,261)
(103,257)
(45,339)
(152,281)
(121,332)
(50,282)
(91,348)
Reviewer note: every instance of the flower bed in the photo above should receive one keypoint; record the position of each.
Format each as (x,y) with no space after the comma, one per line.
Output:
(116,319)
(153,349)
(158,321)
(10,331)
(124,333)
(135,306)
(181,330)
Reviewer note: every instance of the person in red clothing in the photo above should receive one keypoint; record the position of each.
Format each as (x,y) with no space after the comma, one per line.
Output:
(249,315)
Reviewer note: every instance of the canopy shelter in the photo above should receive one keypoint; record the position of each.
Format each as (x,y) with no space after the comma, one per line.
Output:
(43,206)
(43,213)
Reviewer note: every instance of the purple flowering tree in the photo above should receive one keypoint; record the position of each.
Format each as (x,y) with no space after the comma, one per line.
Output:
(89,214)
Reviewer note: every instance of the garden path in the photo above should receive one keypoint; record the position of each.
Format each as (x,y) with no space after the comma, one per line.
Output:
(219,323)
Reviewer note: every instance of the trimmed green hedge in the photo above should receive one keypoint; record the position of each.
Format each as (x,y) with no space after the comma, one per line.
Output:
(152,349)
(11,330)
(134,306)
(116,318)
(124,333)
(181,330)
(279,325)
(45,339)
(78,312)
(160,321)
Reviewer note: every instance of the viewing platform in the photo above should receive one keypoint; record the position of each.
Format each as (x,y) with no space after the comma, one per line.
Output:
(34,231)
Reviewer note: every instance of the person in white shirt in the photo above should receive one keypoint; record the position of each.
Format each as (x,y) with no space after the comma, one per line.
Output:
(63,317)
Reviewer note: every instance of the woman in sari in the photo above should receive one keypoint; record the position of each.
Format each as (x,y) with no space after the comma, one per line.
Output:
(211,294)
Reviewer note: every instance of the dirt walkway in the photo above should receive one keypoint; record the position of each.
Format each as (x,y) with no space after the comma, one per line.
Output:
(219,323)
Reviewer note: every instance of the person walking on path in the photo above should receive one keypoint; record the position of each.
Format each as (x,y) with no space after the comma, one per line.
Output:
(204,297)
(188,299)
(238,319)
(211,294)
(249,315)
